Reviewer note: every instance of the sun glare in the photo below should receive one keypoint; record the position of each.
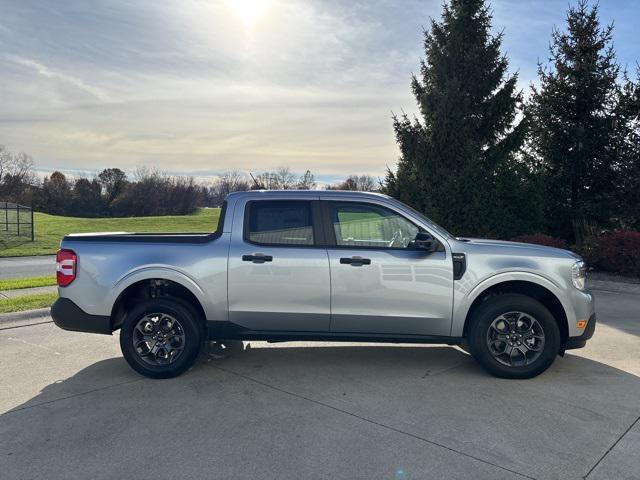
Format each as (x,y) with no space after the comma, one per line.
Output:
(249,11)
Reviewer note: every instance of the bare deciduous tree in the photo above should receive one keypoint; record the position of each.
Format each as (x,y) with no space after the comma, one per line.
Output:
(16,174)
(280,179)
(307,181)
(361,183)
(284,179)
(232,181)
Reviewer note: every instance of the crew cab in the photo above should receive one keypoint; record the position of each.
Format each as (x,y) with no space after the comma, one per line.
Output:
(329,266)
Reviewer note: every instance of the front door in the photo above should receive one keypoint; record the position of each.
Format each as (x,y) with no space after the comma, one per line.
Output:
(278,277)
(380,283)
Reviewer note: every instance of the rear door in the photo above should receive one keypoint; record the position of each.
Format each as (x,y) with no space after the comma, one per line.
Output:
(278,269)
(380,283)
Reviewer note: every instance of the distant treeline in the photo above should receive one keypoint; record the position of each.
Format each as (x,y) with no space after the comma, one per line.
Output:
(146,192)
(111,193)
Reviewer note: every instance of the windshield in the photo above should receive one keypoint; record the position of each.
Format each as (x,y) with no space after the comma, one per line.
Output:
(432,224)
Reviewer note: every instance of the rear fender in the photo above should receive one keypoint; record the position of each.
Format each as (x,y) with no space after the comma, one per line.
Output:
(164,273)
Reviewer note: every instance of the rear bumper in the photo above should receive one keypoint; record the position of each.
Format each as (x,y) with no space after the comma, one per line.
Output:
(69,316)
(581,341)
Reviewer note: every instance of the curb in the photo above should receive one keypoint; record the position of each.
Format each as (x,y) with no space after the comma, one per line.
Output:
(25,315)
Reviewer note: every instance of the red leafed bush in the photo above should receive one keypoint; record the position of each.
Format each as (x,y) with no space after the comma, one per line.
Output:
(541,239)
(616,252)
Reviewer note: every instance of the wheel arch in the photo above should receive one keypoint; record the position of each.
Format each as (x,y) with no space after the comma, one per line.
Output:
(532,289)
(156,286)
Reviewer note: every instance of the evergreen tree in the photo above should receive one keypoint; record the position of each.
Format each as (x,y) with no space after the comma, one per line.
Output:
(87,200)
(627,142)
(56,194)
(459,162)
(581,120)
(113,181)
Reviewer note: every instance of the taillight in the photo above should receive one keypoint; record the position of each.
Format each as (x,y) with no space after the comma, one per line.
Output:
(66,261)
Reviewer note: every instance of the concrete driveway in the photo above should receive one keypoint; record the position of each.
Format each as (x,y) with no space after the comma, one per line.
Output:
(295,411)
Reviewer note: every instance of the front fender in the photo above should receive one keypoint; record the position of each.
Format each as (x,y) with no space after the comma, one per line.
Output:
(464,295)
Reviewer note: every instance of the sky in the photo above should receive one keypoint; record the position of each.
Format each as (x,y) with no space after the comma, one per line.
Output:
(199,87)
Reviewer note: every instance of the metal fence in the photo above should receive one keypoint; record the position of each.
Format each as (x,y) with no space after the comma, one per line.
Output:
(16,223)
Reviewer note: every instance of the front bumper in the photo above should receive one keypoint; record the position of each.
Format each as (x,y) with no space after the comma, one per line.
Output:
(581,341)
(69,316)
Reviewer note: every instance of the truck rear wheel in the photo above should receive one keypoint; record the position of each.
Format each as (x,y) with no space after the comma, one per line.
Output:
(161,338)
(514,336)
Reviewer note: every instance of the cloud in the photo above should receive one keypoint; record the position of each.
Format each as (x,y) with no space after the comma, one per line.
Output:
(188,85)
(308,86)
(46,72)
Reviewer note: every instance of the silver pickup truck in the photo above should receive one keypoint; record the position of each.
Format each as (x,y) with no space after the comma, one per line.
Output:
(323,265)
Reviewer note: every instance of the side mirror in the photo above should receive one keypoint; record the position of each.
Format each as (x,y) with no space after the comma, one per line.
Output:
(424,241)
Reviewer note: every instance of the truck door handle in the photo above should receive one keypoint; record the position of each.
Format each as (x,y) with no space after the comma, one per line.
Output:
(355,261)
(257,258)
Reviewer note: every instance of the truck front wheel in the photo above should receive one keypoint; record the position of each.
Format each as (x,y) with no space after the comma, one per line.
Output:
(161,338)
(514,336)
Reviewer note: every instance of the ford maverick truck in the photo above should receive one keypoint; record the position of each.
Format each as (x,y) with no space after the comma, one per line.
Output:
(323,265)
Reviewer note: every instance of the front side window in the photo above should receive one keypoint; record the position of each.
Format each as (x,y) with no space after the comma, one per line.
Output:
(367,225)
(280,223)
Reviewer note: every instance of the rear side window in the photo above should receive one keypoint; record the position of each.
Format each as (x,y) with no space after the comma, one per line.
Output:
(280,223)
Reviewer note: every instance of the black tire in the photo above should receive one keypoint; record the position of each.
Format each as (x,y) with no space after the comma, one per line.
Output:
(493,308)
(190,324)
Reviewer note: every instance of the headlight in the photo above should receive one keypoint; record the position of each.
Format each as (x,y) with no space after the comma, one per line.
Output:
(579,275)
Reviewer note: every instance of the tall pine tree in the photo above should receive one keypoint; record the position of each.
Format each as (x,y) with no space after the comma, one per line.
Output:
(582,127)
(458,163)
(627,143)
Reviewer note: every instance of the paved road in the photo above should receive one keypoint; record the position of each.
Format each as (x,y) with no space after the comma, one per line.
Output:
(19,267)
(302,411)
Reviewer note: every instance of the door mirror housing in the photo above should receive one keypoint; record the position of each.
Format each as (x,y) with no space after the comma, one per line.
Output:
(425,241)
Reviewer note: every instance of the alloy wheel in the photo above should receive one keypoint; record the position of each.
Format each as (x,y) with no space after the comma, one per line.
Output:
(515,339)
(158,339)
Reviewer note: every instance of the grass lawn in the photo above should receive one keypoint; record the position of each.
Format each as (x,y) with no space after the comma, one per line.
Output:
(28,302)
(51,228)
(16,283)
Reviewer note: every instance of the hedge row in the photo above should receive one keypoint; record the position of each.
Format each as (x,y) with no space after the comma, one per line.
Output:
(615,252)
(541,239)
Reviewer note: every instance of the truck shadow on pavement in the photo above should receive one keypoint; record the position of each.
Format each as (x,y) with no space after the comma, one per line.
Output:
(285,411)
